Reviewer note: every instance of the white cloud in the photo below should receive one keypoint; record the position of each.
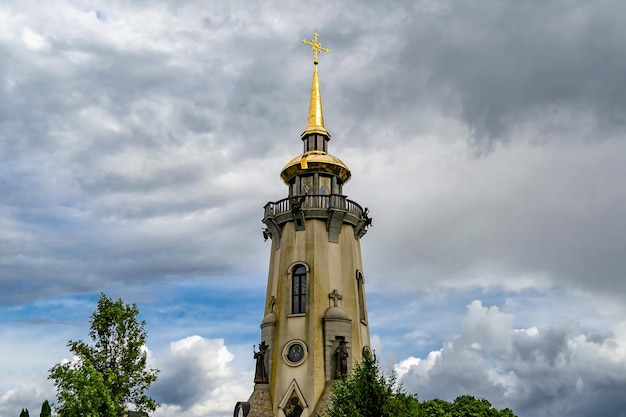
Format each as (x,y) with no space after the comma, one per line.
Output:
(27,394)
(560,368)
(196,380)
(33,40)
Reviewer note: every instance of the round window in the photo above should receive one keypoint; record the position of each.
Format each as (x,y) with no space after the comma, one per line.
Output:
(295,352)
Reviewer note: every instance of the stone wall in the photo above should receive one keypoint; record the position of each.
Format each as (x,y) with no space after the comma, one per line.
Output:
(260,401)
(324,402)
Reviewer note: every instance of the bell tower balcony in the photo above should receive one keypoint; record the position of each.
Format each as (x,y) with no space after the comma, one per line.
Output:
(334,209)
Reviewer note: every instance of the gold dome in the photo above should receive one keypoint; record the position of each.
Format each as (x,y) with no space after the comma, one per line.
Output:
(315,161)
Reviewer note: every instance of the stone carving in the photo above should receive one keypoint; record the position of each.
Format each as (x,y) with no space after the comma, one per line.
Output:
(366,217)
(296,203)
(341,359)
(335,296)
(260,374)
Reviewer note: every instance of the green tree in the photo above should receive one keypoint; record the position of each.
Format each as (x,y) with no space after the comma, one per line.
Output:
(45,409)
(24,412)
(111,373)
(435,408)
(367,392)
(468,406)
(462,406)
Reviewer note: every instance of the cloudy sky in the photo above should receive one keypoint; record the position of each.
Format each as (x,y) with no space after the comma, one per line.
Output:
(139,141)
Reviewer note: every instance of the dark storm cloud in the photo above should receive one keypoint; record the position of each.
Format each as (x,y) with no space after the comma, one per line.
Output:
(510,62)
(498,66)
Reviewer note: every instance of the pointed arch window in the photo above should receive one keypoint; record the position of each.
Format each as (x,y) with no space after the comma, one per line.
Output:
(293,403)
(298,290)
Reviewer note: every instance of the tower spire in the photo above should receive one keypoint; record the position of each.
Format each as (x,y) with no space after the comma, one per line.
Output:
(315,122)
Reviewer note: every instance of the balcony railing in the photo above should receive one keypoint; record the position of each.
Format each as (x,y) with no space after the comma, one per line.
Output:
(314,201)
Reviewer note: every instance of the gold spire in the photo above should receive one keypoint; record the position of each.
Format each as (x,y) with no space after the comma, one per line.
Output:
(315,122)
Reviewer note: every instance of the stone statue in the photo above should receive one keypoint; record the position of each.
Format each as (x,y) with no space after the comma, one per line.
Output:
(266,234)
(341,359)
(260,374)
(366,217)
(296,203)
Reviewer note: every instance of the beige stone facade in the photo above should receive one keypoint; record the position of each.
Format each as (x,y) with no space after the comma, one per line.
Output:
(333,271)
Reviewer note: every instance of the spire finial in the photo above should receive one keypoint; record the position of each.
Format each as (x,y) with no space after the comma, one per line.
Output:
(316,47)
(315,122)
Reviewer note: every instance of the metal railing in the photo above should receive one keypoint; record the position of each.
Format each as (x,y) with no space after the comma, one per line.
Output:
(313,201)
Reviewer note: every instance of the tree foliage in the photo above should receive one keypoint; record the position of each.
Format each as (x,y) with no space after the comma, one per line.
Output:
(45,409)
(462,406)
(24,412)
(111,373)
(367,392)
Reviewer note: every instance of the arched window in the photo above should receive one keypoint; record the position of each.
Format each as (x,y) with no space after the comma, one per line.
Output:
(298,290)
(361,294)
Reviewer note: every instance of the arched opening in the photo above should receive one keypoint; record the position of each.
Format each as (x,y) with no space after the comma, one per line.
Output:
(298,290)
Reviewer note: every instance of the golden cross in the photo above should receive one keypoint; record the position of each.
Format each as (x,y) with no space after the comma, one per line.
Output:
(316,47)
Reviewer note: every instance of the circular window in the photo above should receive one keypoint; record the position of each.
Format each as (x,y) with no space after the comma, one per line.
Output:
(295,352)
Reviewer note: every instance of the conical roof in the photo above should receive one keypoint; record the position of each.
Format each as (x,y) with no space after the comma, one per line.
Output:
(315,121)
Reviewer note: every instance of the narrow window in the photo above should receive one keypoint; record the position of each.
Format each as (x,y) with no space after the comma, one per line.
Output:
(298,290)
(321,143)
(361,295)
(292,188)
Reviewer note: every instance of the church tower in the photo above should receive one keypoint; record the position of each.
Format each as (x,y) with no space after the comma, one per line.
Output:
(315,321)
